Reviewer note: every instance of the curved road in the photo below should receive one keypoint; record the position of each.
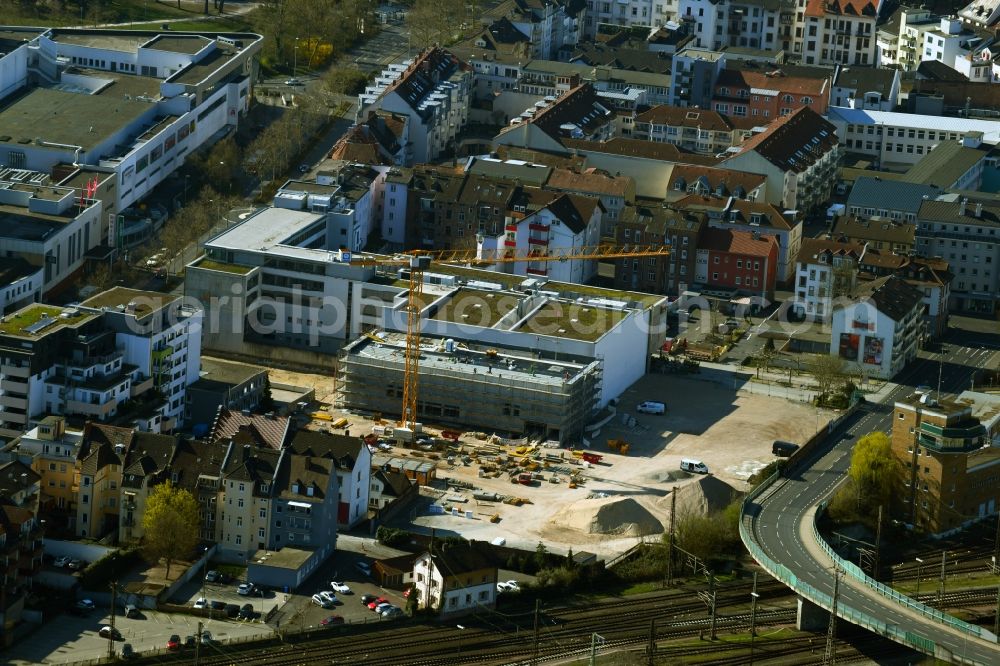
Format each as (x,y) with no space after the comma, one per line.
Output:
(781,521)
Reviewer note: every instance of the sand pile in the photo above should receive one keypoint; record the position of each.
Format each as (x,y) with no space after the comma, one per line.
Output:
(610,515)
(706,495)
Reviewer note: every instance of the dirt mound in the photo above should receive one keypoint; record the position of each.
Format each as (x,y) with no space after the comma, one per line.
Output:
(610,515)
(702,497)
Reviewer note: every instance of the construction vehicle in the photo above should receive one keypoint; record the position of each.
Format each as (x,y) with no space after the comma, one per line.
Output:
(418,261)
(526,478)
(587,456)
(619,446)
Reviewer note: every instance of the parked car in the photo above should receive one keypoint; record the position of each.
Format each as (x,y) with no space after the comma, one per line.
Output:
(109,633)
(201,602)
(76,565)
(61,561)
(340,588)
(696,466)
(213,576)
(321,601)
(303,168)
(331,620)
(293,82)
(189,642)
(502,587)
(206,637)
(378,601)
(381,607)
(329,596)
(388,610)
(513,586)
(127,651)
(131,610)
(364,567)
(174,643)
(651,407)
(247,612)
(84,606)
(246,589)
(232,610)
(395,611)
(217,605)
(367,599)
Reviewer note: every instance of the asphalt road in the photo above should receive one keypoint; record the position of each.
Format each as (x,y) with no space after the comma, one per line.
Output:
(778,524)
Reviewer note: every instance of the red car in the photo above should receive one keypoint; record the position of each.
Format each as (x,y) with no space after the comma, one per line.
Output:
(330,621)
(373,605)
(174,643)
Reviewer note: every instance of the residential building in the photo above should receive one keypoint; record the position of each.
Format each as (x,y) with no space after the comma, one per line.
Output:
(544,78)
(52,451)
(756,218)
(876,330)
(829,33)
(930,275)
(692,129)
(737,262)
(614,192)
(722,23)
(949,467)
(602,15)
(884,235)
(248,484)
(304,509)
(196,466)
(908,39)
(351,465)
(20,486)
(825,270)
(235,386)
(798,153)
(101,458)
(551,28)
(381,139)
(965,232)
(576,114)
(145,466)
(706,181)
(894,200)
(456,580)
(388,489)
(762,96)
(566,223)
(896,141)
(693,76)
(636,49)
(948,42)
(92,359)
(21,548)
(869,88)
(132,104)
(651,223)
(982,13)
(433,90)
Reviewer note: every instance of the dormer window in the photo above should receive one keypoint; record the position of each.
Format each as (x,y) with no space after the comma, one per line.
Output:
(309,491)
(295,488)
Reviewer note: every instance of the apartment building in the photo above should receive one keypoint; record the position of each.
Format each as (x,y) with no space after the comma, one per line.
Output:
(303,509)
(884,235)
(737,262)
(716,24)
(798,153)
(434,91)
(544,78)
(602,14)
(246,489)
(869,88)
(693,76)
(455,580)
(825,270)
(894,200)
(93,359)
(696,130)
(578,113)
(21,549)
(350,463)
(829,33)
(930,275)
(235,386)
(765,95)
(551,28)
(132,104)
(51,450)
(876,330)
(897,141)
(952,165)
(146,464)
(100,461)
(949,467)
(648,222)
(965,232)
(22,284)
(708,181)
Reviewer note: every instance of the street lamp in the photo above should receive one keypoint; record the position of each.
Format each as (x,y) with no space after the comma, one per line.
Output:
(753,621)
(919,563)
(295,58)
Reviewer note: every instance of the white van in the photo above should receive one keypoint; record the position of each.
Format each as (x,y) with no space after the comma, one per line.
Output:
(695,466)
(650,407)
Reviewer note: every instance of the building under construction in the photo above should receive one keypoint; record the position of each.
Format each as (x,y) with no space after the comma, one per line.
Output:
(493,389)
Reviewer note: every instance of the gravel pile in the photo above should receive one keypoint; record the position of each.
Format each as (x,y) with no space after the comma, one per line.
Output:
(619,516)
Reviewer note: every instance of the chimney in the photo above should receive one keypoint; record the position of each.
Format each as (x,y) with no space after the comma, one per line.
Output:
(979,210)
(246,452)
(961,206)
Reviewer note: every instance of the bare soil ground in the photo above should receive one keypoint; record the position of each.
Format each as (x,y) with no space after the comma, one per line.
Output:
(732,433)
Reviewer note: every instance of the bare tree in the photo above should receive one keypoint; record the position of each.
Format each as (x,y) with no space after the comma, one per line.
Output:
(826,370)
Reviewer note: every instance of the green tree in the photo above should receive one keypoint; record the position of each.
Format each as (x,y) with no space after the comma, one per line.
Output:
(170,524)
(875,469)
(541,556)
(711,537)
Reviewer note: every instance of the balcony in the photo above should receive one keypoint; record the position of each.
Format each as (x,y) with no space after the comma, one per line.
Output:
(13,401)
(537,241)
(21,371)
(12,386)
(138,388)
(89,409)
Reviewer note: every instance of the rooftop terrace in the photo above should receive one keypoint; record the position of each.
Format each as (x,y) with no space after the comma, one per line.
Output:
(38,320)
(145,301)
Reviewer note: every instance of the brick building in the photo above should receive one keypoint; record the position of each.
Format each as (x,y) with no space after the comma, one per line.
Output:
(950,471)
(738,261)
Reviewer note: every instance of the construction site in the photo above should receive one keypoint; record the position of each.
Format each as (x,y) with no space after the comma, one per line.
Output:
(605,498)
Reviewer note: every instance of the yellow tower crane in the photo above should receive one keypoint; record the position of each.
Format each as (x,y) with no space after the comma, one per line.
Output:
(418,261)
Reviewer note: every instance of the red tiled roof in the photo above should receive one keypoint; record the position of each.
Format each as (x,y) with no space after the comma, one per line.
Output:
(847,8)
(735,241)
(666,152)
(715,176)
(775,79)
(676,116)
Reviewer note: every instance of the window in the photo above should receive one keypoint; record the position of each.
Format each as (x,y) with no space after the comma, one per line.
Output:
(239,539)
(260,533)
(263,513)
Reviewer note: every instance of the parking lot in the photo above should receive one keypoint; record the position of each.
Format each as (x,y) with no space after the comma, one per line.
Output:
(71,638)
